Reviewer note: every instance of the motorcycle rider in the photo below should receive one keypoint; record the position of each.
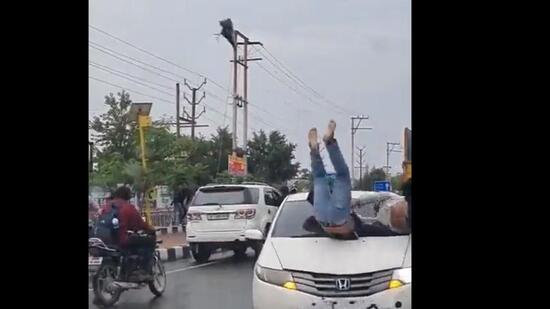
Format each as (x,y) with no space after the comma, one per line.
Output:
(130,220)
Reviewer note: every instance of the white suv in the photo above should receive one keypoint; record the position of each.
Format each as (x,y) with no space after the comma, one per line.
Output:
(230,216)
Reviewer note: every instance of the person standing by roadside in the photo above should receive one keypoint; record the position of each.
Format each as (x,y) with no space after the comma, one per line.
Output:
(177,202)
(187,193)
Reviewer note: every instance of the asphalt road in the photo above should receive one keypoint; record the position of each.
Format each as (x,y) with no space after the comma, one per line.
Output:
(223,282)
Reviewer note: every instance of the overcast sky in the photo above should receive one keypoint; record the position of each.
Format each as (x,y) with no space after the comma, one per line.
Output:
(355,53)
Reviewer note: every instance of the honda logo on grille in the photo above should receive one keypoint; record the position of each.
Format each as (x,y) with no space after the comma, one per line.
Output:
(343,284)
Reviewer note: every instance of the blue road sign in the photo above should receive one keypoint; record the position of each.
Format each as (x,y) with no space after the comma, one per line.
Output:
(382,186)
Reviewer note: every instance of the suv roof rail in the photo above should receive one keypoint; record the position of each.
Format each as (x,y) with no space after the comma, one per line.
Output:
(253,183)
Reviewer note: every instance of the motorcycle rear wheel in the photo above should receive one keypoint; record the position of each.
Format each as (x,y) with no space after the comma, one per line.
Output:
(101,280)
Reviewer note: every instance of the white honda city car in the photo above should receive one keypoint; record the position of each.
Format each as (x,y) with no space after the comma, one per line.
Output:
(301,267)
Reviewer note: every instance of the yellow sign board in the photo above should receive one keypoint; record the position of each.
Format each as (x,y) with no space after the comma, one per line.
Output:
(236,165)
(144,121)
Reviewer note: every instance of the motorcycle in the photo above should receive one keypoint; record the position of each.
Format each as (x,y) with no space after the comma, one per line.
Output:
(113,272)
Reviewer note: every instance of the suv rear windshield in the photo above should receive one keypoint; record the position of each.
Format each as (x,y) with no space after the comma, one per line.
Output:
(226,196)
(297,220)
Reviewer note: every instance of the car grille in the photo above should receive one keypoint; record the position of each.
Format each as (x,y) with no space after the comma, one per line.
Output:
(326,285)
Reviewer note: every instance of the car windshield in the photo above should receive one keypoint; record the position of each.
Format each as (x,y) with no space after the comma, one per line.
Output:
(226,196)
(296,219)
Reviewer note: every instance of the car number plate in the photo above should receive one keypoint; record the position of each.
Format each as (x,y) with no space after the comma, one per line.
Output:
(94,261)
(218,216)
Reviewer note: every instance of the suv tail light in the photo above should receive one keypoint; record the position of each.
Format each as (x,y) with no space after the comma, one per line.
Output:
(245,213)
(194,216)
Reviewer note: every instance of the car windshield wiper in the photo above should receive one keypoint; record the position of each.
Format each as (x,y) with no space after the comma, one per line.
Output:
(206,204)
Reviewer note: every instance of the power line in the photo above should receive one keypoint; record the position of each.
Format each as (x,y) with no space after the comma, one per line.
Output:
(129,62)
(289,71)
(158,57)
(132,80)
(136,60)
(294,89)
(282,65)
(297,80)
(260,119)
(113,53)
(126,88)
(130,75)
(267,112)
(158,89)
(283,69)
(214,123)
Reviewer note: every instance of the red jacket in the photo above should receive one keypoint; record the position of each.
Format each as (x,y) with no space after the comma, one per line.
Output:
(129,219)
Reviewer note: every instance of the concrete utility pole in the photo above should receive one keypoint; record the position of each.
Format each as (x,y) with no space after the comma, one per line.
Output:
(361,154)
(233,37)
(354,129)
(388,151)
(241,101)
(178,110)
(191,119)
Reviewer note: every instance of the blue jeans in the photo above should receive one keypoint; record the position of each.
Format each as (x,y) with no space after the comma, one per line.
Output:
(331,205)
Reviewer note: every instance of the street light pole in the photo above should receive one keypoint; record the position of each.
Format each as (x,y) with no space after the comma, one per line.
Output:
(141,113)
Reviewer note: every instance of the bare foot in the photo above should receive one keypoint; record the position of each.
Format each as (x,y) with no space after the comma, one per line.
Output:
(329,135)
(312,139)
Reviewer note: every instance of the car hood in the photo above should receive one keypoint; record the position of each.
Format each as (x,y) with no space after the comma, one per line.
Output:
(332,256)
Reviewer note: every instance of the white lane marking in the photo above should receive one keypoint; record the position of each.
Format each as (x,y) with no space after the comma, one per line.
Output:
(183,269)
(192,267)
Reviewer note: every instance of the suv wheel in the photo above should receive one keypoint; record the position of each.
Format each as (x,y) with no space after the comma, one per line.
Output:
(201,252)
(240,251)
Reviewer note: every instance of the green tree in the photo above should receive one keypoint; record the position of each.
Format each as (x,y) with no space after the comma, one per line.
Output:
(119,156)
(270,158)
(221,144)
(375,174)
(257,154)
(304,173)
(110,171)
(172,161)
(114,131)
(396,182)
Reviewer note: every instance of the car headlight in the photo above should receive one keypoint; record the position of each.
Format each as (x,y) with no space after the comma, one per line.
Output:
(278,277)
(400,277)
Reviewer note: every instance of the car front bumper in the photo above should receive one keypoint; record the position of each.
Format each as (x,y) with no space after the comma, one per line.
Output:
(265,295)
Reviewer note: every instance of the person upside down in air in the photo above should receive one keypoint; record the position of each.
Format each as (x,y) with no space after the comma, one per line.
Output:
(332,203)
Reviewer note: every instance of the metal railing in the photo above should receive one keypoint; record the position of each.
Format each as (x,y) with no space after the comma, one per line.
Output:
(162,218)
